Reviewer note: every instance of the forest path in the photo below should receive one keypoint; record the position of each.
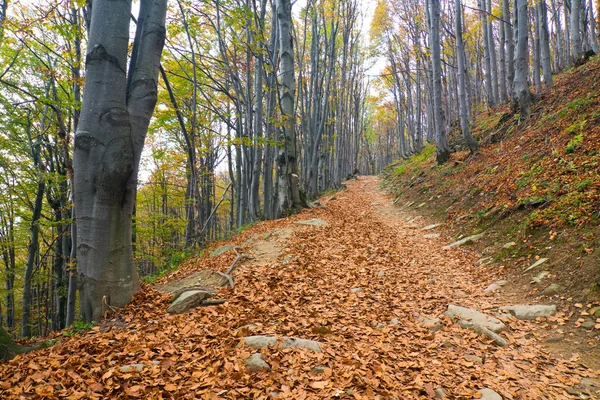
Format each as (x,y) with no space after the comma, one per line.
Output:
(360,287)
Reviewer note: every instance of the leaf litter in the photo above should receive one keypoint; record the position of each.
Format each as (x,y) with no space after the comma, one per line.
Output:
(373,344)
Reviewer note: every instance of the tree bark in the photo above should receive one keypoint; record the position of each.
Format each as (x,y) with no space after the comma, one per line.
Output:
(115,115)
(522,97)
(575,35)
(542,12)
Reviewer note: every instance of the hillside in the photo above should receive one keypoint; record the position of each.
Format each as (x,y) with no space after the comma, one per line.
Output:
(533,189)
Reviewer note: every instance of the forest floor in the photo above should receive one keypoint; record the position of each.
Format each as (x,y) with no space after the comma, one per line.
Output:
(366,287)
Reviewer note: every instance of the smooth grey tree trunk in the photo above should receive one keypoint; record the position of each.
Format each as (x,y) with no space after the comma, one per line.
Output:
(510,46)
(288,194)
(502,66)
(115,115)
(462,92)
(592,22)
(486,54)
(492,49)
(442,150)
(537,80)
(522,97)
(575,34)
(542,13)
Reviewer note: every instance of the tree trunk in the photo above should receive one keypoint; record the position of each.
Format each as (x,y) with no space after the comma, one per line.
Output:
(462,95)
(510,46)
(575,35)
(536,55)
(442,150)
(493,60)
(542,13)
(522,97)
(115,115)
(486,55)
(288,194)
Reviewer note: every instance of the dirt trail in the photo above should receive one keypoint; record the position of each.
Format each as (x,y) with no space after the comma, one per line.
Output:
(374,345)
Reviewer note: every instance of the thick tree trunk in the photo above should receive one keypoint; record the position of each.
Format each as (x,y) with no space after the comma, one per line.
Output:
(288,194)
(115,115)
(522,97)
(486,54)
(537,80)
(493,60)
(510,47)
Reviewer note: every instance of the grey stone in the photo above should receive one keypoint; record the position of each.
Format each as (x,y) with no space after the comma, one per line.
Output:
(431,235)
(473,358)
(464,241)
(489,394)
(132,367)
(312,222)
(318,370)
(509,245)
(286,260)
(535,264)
(395,321)
(440,393)
(469,318)
(492,288)
(589,325)
(357,290)
(552,290)
(259,341)
(221,250)
(431,281)
(433,324)
(381,274)
(430,227)
(380,325)
(498,340)
(303,344)
(188,300)
(538,278)
(256,363)
(530,312)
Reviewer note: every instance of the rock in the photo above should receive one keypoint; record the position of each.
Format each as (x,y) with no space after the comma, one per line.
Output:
(492,288)
(421,205)
(535,264)
(440,393)
(431,281)
(552,290)
(221,250)
(489,394)
(380,325)
(509,245)
(433,324)
(430,227)
(188,300)
(318,370)
(484,261)
(498,340)
(530,312)
(595,312)
(589,325)
(312,222)
(286,260)
(538,278)
(381,274)
(131,367)
(431,236)
(357,290)
(395,321)
(468,318)
(259,341)
(464,241)
(303,344)
(256,363)
(502,282)
(473,358)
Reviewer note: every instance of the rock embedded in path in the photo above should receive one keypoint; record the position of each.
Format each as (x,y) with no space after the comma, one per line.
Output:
(188,300)
(440,393)
(430,227)
(492,288)
(256,363)
(589,325)
(468,318)
(381,274)
(312,222)
(489,394)
(433,324)
(260,341)
(535,264)
(552,290)
(538,278)
(530,312)
(303,344)
(464,241)
(431,235)
(221,250)
(357,290)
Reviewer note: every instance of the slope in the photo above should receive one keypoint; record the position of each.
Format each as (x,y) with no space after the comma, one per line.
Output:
(370,288)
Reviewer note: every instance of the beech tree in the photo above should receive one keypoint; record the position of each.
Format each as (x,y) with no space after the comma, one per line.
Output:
(522,97)
(117,105)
